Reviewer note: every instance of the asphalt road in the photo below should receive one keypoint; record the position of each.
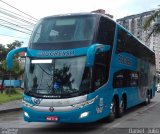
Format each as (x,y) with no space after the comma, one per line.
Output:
(140,119)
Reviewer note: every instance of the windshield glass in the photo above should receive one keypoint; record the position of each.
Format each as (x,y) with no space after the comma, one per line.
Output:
(62,29)
(57,76)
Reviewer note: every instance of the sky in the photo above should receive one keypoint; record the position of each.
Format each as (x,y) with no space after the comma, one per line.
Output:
(42,8)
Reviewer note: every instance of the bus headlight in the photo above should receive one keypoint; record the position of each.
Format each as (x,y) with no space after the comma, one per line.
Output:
(80,105)
(26,114)
(85,114)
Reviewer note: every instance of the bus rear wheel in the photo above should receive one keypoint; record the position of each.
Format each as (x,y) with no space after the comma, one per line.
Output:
(122,107)
(148,98)
(113,111)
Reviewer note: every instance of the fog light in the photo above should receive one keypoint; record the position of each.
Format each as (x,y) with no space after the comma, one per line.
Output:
(85,114)
(26,114)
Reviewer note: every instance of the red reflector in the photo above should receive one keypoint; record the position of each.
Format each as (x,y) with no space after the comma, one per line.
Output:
(52,118)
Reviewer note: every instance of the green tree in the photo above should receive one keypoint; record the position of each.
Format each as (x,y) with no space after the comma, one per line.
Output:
(153,22)
(16,66)
(14,45)
(3,52)
(16,69)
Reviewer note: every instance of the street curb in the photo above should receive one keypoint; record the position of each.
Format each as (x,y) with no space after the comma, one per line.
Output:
(10,110)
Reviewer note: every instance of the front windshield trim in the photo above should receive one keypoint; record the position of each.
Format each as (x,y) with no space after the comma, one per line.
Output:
(60,45)
(35,90)
(57,96)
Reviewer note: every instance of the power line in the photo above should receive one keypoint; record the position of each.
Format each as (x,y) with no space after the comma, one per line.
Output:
(18,9)
(16,25)
(17,14)
(18,22)
(15,29)
(13,36)
(15,17)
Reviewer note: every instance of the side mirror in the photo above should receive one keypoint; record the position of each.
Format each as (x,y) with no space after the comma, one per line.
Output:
(93,50)
(10,55)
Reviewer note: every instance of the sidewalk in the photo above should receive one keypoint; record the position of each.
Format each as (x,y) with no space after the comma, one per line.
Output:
(11,106)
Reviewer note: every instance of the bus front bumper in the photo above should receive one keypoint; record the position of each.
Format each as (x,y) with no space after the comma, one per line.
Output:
(82,115)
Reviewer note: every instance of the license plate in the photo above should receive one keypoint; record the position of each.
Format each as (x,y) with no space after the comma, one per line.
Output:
(52,118)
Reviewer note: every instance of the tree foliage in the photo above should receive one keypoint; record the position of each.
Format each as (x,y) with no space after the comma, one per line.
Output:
(14,45)
(3,52)
(155,20)
(16,66)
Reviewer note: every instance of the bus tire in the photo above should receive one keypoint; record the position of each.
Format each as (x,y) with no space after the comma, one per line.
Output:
(113,112)
(148,98)
(122,107)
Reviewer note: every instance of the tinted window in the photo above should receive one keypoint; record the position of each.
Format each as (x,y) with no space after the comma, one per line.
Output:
(106,31)
(127,43)
(101,69)
(121,41)
(62,29)
(125,78)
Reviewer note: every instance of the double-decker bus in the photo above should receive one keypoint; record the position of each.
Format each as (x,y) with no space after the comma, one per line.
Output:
(82,68)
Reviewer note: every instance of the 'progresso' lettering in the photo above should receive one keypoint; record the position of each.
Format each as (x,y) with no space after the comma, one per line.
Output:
(57,53)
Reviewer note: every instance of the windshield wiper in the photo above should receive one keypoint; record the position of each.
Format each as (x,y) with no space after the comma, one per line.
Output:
(29,92)
(82,92)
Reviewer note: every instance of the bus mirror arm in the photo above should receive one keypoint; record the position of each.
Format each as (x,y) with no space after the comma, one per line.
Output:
(93,50)
(10,55)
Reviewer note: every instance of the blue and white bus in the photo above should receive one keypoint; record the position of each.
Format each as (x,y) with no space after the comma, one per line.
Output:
(82,68)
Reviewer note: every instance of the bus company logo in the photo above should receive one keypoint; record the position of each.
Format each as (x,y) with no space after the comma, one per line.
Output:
(51,109)
(27,99)
(37,101)
(57,53)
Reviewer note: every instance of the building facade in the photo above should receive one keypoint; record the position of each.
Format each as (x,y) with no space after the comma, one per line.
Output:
(134,24)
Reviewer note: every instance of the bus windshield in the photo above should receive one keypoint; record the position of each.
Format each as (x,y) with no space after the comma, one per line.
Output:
(64,29)
(64,77)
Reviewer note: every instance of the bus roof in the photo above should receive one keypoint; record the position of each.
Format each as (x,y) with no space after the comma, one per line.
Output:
(79,14)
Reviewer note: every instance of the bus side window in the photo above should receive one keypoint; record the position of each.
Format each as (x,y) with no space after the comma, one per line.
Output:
(125,78)
(134,78)
(101,68)
(121,41)
(118,79)
(106,31)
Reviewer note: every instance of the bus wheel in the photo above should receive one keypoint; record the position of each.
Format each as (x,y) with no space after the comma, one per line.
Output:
(148,98)
(112,114)
(122,107)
